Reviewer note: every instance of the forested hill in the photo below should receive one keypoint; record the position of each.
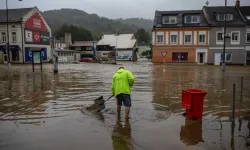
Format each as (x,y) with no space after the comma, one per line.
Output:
(147,24)
(97,25)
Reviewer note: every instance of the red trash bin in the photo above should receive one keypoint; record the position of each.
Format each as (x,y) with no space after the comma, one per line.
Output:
(193,100)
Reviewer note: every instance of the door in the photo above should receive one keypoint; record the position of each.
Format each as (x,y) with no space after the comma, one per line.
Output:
(201,58)
(175,56)
(5,57)
(217,58)
(184,57)
(247,58)
(180,57)
(75,57)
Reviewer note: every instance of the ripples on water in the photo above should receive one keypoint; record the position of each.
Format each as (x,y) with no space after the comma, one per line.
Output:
(27,98)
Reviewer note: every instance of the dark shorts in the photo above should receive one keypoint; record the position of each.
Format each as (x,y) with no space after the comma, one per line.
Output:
(125,99)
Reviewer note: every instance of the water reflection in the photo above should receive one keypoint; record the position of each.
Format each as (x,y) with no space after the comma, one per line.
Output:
(121,136)
(191,132)
(232,135)
(248,137)
(28,99)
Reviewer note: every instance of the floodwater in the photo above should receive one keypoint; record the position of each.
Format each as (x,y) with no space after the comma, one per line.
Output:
(45,111)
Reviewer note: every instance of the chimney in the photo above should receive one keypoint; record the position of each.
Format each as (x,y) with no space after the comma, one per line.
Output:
(68,40)
(237,4)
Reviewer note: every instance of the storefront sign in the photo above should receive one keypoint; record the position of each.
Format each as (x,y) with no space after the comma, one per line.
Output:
(36,22)
(28,54)
(124,55)
(36,31)
(37,37)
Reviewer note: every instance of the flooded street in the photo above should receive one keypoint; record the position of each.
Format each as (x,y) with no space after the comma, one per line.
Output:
(44,110)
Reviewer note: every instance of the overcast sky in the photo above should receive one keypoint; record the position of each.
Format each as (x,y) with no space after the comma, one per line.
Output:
(118,8)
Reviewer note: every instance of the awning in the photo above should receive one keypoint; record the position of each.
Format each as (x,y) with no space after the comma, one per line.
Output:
(12,47)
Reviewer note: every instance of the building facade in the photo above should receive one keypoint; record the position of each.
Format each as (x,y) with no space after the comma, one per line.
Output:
(235,32)
(125,44)
(67,56)
(198,36)
(28,31)
(244,10)
(182,35)
(86,48)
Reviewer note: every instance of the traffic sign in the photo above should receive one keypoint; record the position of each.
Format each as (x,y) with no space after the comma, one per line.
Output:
(164,54)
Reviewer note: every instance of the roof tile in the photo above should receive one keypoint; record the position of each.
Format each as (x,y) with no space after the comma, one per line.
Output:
(15,15)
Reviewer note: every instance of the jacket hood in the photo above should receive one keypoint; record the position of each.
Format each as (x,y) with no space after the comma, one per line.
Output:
(120,71)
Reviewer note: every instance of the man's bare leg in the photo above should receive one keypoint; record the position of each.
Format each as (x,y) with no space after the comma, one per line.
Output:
(118,111)
(127,109)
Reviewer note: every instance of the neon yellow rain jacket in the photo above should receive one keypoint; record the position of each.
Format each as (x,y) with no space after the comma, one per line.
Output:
(122,81)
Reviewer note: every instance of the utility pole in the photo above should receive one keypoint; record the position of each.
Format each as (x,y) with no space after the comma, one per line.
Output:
(7,44)
(224,45)
(8,38)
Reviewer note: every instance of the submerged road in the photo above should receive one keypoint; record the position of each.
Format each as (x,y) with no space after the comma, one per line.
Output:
(43,110)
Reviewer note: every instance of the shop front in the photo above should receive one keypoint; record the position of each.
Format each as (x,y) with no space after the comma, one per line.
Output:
(174,55)
(28,53)
(15,54)
(124,55)
(179,56)
(37,38)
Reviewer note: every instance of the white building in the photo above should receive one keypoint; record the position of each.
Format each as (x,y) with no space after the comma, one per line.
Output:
(126,46)
(28,31)
(67,56)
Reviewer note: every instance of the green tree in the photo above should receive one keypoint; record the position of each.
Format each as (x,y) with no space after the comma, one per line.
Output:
(142,36)
(77,33)
(94,23)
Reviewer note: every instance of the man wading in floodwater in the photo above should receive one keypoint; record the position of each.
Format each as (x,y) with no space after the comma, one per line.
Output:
(122,81)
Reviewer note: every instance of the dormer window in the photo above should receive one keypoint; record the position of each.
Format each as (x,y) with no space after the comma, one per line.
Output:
(221,17)
(229,17)
(192,19)
(169,20)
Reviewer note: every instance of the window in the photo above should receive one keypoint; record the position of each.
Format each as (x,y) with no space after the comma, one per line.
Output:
(229,17)
(219,36)
(248,37)
(195,19)
(192,19)
(88,48)
(169,20)
(202,38)
(221,17)
(235,38)
(188,19)
(14,36)
(3,37)
(173,39)
(78,48)
(248,55)
(160,39)
(188,39)
(228,57)
(183,56)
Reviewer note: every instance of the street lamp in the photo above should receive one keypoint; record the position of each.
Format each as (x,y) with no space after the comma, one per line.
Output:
(116,44)
(7,22)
